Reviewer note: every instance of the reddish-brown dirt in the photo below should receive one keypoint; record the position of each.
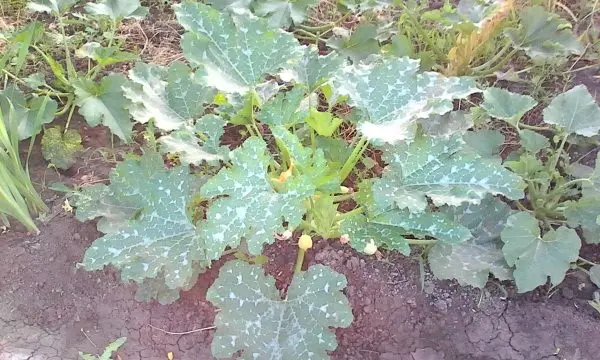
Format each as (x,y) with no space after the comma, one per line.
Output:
(50,309)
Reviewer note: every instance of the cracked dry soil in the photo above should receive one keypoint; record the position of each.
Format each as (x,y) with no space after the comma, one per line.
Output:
(50,310)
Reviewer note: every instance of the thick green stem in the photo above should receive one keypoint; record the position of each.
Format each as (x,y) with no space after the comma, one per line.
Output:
(559,151)
(316,28)
(65,108)
(420,242)
(533,127)
(343,197)
(299,261)
(353,159)
(342,216)
(493,60)
(72,73)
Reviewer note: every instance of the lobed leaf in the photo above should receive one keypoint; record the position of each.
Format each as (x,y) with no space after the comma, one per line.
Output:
(532,141)
(362,232)
(283,109)
(235,53)
(112,206)
(104,104)
(425,224)
(247,206)
(471,262)
(28,115)
(393,104)
(506,105)
(585,212)
(574,111)
(537,257)
(358,45)
(314,70)
(544,35)
(255,320)
(158,239)
(193,150)
(440,170)
(448,124)
(172,97)
(486,142)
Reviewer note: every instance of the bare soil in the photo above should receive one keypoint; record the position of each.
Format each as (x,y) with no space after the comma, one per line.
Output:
(50,309)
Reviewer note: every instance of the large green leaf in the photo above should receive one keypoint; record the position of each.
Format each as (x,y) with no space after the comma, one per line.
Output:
(60,149)
(193,149)
(505,105)
(314,70)
(117,10)
(486,142)
(104,103)
(114,208)
(55,7)
(156,289)
(425,223)
(29,114)
(235,54)
(171,97)
(247,206)
(591,184)
(585,213)
(575,111)
(358,45)
(392,104)
(159,239)
(544,35)
(471,262)
(533,141)
(283,13)
(255,319)
(437,168)
(537,257)
(361,232)
(448,124)
(283,109)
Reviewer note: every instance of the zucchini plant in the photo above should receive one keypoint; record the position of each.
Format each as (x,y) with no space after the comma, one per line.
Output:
(444,188)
